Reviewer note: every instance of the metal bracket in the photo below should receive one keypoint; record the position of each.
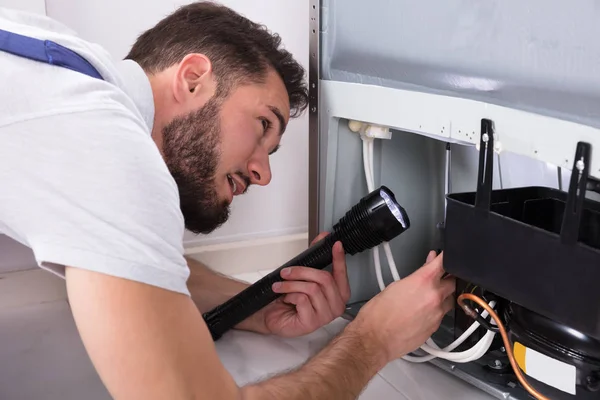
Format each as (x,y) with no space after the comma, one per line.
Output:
(486,166)
(569,233)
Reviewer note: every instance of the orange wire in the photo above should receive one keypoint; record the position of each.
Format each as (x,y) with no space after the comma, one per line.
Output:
(469,311)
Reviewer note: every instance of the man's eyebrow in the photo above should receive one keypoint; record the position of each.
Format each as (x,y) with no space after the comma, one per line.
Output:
(279,116)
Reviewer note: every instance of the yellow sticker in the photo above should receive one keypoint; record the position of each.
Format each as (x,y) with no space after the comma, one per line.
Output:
(548,370)
(519,352)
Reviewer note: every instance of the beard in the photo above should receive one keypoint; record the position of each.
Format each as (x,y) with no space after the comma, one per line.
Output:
(191,149)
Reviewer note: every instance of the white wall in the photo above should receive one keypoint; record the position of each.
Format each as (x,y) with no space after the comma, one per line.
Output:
(36,6)
(282,207)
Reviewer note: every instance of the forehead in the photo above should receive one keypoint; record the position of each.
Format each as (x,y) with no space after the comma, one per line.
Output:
(270,94)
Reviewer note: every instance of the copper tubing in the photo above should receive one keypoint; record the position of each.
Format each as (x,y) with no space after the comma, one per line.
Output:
(509,351)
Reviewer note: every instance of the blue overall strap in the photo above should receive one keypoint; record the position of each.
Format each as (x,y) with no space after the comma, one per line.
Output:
(45,51)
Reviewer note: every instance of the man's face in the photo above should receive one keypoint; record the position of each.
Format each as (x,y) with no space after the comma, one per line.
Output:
(216,152)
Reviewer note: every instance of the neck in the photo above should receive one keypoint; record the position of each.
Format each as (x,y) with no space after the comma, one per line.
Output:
(161,104)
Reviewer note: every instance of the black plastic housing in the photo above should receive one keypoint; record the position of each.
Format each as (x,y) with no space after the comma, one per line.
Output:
(537,247)
(558,342)
(377,218)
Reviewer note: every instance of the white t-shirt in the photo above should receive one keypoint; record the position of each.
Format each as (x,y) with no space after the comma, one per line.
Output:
(81,181)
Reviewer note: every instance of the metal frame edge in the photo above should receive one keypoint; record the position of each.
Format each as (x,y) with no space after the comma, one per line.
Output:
(313,120)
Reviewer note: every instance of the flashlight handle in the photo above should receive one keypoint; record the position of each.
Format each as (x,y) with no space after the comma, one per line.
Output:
(255,297)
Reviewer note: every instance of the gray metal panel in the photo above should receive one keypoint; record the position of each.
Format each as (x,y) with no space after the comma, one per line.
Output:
(540,56)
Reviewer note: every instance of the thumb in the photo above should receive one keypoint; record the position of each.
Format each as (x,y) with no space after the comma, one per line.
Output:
(430,257)
(434,266)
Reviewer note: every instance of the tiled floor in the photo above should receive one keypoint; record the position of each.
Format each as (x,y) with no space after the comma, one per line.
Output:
(42,357)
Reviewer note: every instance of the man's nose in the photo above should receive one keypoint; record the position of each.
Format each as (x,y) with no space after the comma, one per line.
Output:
(260,170)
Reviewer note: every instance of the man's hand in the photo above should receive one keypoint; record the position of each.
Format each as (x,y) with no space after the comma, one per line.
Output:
(311,298)
(403,316)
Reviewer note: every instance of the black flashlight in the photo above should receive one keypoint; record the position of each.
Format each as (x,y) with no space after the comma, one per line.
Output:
(377,218)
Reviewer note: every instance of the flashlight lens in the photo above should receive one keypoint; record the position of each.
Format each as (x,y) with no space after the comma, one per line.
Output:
(393,206)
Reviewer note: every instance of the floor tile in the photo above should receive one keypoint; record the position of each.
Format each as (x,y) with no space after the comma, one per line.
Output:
(425,381)
(42,356)
(379,389)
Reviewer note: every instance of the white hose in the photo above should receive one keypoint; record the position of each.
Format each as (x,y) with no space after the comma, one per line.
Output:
(474,353)
(367,161)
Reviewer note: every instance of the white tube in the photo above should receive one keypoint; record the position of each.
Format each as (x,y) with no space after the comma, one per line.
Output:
(367,166)
(435,351)
(378,273)
(367,162)
(391,263)
(386,246)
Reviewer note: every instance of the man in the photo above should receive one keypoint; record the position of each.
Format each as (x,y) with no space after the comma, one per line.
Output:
(103,163)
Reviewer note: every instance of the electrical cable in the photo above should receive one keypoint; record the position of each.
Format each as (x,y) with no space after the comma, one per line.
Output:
(367,161)
(370,177)
(386,246)
(507,344)
(476,351)
(479,350)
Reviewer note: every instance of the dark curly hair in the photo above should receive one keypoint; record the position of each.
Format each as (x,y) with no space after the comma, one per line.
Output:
(240,50)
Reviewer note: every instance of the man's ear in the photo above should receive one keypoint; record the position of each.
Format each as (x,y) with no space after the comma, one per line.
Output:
(194,80)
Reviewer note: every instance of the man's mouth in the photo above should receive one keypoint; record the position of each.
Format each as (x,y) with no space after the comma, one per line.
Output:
(236,184)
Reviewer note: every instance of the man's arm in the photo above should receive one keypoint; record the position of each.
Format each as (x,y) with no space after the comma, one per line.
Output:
(310,297)
(150,343)
(209,289)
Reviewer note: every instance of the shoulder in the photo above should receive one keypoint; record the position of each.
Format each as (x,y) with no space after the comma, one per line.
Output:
(89,189)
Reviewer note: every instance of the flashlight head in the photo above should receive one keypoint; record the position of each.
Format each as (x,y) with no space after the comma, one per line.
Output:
(389,217)
(375,219)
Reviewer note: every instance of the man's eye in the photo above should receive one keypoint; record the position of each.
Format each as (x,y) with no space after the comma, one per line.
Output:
(266,124)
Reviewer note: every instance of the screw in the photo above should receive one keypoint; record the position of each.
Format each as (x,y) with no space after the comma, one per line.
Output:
(485,138)
(496,364)
(580,165)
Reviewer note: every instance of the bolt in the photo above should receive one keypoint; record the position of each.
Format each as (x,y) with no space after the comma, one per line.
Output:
(580,165)
(503,349)
(496,364)
(485,138)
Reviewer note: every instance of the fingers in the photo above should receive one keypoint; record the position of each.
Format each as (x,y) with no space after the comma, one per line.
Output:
(334,287)
(314,292)
(340,272)
(448,305)
(305,310)
(319,237)
(435,267)
(430,257)
(448,286)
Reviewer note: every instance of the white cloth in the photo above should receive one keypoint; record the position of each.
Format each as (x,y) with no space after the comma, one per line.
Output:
(81,181)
